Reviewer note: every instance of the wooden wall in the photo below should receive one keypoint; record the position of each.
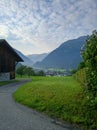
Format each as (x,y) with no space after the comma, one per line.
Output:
(7,62)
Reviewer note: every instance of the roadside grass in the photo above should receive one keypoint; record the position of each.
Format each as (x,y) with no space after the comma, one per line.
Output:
(7,82)
(59,97)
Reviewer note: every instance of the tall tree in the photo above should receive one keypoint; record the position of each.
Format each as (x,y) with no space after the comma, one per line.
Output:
(29,71)
(89,54)
(20,70)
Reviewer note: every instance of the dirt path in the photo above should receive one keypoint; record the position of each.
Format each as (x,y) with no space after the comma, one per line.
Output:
(14,116)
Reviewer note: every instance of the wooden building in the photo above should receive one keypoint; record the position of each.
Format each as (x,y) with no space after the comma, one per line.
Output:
(8,60)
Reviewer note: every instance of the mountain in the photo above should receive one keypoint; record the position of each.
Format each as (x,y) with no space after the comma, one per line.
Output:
(37,57)
(66,56)
(27,61)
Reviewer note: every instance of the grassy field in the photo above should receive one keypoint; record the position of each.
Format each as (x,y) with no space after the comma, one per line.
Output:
(58,97)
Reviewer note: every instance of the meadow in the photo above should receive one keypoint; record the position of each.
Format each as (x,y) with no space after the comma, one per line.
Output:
(58,97)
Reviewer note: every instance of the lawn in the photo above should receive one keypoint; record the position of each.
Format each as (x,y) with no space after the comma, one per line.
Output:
(58,97)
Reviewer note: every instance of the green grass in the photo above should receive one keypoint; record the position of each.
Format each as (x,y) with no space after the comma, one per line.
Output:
(58,97)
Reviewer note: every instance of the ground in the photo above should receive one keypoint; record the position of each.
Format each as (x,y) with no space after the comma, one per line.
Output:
(14,116)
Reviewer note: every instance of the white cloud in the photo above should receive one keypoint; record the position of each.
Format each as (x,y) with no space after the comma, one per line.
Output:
(43,25)
(3,31)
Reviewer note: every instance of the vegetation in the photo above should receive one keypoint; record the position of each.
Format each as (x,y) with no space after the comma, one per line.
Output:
(80,76)
(57,96)
(28,71)
(64,97)
(40,73)
(25,70)
(81,65)
(87,75)
(89,54)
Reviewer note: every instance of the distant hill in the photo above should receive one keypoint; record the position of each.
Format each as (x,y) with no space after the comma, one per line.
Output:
(37,57)
(27,61)
(66,56)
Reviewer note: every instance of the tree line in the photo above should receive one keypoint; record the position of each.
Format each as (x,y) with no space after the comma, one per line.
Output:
(28,71)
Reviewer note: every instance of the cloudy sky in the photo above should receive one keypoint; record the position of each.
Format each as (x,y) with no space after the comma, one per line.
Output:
(38,26)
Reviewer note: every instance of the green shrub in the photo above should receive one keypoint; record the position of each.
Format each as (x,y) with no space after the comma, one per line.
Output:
(89,102)
(81,77)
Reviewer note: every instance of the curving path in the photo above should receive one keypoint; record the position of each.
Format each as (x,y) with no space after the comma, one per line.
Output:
(14,116)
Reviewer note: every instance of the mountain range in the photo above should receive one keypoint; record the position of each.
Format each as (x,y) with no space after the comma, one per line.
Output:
(37,57)
(26,60)
(66,56)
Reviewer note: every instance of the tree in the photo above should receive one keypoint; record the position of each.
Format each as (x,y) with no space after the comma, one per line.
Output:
(25,70)
(40,73)
(29,71)
(20,70)
(81,65)
(89,54)
(90,59)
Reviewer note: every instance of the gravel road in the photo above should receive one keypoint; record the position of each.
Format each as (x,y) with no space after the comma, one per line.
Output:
(14,116)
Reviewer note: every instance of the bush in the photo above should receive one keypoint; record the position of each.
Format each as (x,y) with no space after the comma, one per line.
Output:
(81,77)
(89,104)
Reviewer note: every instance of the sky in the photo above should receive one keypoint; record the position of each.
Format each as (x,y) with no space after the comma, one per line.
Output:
(39,26)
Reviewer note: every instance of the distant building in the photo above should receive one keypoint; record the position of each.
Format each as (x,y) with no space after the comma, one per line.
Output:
(8,60)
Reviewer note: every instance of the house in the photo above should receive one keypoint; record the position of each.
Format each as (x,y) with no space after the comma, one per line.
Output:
(8,60)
